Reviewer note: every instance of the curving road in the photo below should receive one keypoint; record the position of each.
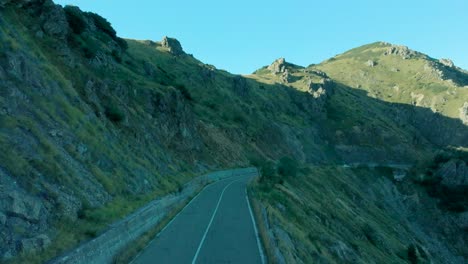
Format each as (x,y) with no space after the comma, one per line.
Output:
(217,226)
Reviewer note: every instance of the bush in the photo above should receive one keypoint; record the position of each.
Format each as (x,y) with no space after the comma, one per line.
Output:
(102,24)
(75,19)
(183,90)
(412,254)
(114,113)
(287,167)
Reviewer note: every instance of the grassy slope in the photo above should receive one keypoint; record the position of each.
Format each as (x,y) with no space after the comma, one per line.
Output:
(398,80)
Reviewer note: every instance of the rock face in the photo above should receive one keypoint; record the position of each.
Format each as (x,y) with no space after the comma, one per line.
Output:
(173,45)
(464,113)
(278,66)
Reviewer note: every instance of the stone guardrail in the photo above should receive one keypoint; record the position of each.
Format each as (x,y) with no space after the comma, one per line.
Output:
(104,247)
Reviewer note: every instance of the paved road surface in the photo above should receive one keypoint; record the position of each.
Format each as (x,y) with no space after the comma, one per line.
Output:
(215,227)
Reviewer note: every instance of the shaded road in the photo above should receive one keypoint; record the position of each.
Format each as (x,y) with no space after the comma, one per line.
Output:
(215,227)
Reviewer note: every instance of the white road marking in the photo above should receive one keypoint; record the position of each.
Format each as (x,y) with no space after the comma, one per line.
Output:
(255,229)
(211,221)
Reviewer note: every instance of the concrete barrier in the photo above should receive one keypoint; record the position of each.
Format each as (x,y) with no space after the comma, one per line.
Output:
(103,248)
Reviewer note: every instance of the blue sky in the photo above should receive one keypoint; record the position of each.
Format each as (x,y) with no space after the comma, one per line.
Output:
(243,35)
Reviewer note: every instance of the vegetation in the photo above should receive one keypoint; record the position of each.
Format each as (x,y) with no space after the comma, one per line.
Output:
(75,19)
(164,141)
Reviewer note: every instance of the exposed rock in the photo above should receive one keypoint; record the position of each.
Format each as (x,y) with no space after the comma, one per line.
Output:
(447,62)
(401,51)
(343,252)
(173,45)
(322,89)
(399,175)
(278,66)
(55,21)
(416,99)
(371,63)
(81,149)
(56,133)
(454,173)
(464,113)
(35,244)
(286,77)
(23,206)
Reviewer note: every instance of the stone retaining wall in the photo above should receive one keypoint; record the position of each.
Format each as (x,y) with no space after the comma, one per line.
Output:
(103,248)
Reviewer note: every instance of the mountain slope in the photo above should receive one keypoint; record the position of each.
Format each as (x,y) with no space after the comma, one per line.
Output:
(96,126)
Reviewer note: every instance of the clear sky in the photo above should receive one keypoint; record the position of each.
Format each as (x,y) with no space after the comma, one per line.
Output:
(243,35)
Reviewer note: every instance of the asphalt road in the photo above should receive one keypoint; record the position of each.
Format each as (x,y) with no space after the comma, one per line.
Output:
(215,227)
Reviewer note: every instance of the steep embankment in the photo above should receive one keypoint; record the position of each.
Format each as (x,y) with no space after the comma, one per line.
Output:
(96,126)
(93,126)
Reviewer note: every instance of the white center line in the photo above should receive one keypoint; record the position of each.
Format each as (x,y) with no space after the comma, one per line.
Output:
(211,221)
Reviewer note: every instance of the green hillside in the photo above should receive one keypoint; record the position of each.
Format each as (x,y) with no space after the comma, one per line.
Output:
(93,126)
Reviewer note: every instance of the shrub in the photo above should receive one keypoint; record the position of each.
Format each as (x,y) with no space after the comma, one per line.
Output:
(114,113)
(412,254)
(102,24)
(75,19)
(183,90)
(116,56)
(287,167)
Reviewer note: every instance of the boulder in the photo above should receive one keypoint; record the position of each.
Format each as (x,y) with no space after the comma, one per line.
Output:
(371,63)
(34,244)
(464,113)
(173,45)
(24,207)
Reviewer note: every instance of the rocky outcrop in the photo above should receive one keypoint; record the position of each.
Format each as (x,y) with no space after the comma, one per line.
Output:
(278,66)
(173,45)
(54,21)
(464,113)
(322,89)
(402,51)
(447,62)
